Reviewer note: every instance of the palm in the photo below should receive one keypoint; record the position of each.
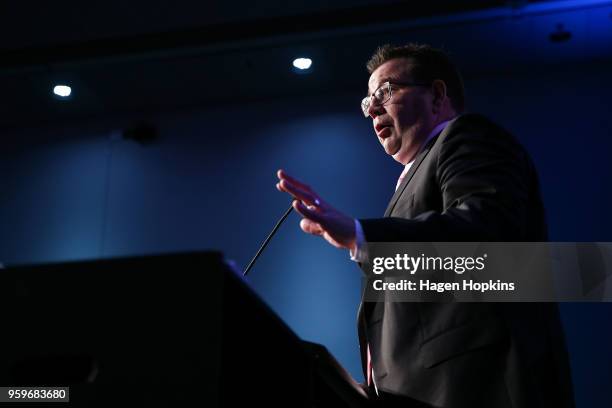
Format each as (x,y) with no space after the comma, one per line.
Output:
(319,218)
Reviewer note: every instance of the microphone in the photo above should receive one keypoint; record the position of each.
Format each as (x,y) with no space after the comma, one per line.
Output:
(265,243)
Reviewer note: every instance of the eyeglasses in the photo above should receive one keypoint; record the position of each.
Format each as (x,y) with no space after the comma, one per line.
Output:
(383,94)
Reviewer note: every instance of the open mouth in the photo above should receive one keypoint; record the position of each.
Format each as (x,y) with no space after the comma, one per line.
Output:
(384,131)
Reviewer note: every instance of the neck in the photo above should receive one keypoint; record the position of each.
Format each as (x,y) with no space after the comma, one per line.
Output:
(412,153)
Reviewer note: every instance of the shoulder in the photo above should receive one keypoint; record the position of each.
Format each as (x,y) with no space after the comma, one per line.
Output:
(473,130)
(473,123)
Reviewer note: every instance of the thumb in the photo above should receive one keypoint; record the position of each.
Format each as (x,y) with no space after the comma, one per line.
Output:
(311,227)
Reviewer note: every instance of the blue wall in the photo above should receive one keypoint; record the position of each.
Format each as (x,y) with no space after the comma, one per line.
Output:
(80,191)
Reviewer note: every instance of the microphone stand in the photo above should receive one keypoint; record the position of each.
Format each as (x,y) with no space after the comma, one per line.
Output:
(265,243)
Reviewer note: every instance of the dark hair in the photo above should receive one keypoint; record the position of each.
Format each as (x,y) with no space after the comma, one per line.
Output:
(428,64)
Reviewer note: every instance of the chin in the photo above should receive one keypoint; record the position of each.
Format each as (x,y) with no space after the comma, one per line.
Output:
(390,147)
(400,156)
(392,153)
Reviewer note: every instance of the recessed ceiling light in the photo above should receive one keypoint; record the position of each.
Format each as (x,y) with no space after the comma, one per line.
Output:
(63,91)
(302,63)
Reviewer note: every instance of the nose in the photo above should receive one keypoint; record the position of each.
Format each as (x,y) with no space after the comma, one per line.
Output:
(375,110)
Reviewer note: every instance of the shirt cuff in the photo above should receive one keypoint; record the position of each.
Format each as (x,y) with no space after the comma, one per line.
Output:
(359,253)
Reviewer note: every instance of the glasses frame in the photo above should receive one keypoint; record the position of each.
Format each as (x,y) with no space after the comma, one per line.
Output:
(366,102)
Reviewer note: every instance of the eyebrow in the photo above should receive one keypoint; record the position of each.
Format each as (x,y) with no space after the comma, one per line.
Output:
(382,81)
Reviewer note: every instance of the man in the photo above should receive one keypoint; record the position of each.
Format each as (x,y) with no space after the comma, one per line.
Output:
(465,179)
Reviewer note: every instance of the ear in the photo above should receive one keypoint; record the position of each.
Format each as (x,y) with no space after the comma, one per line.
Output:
(438,89)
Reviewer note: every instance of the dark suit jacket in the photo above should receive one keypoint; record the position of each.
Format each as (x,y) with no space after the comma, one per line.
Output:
(473,182)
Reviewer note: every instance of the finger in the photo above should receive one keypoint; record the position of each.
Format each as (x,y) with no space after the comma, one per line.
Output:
(307,197)
(311,214)
(332,241)
(311,227)
(300,190)
(282,175)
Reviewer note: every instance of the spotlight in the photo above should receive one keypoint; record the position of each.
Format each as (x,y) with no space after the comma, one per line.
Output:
(63,91)
(302,63)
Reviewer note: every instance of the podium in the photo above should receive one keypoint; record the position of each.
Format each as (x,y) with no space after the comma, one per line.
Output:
(165,330)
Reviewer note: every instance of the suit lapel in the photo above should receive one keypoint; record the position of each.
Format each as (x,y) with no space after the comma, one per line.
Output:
(417,162)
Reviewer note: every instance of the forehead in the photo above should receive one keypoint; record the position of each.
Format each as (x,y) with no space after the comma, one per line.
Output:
(396,69)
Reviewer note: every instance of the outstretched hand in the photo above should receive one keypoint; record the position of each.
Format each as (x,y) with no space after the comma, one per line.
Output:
(319,218)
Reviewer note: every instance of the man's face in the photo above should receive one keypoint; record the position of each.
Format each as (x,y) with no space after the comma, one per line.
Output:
(403,122)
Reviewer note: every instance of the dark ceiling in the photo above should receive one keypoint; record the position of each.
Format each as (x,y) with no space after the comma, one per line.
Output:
(126,57)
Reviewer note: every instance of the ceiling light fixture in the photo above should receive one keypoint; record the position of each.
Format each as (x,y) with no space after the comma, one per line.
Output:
(63,91)
(302,63)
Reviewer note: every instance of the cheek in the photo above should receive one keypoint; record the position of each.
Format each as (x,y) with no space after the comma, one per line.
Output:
(397,113)
(404,117)
(409,114)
